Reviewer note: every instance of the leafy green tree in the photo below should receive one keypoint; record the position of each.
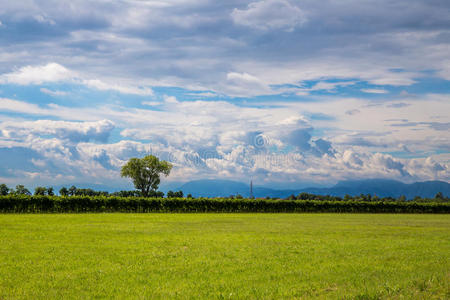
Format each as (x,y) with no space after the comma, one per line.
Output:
(292,197)
(21,190)
(50,191)
(402,198)
(72,190)
(64,191)
(178,194)
(4,190)
(126,194)
(305,196)
(145,172)
(40,190)
(156,194)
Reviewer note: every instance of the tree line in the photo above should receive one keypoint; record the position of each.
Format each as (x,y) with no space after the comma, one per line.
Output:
(74,191)
(439,197)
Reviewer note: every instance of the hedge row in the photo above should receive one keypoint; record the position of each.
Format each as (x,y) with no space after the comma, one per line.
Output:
(79,204)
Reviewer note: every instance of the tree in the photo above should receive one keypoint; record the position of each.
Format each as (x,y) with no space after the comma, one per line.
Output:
(155,194)
(4,190)
(50,191)
(171,194)
(72,190)
(21,190)
(40,190)
(145,172)
(64,191)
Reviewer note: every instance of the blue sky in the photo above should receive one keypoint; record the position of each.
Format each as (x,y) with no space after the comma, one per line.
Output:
(286,93)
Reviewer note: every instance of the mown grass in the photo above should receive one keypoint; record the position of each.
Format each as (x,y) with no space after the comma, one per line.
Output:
(222,256)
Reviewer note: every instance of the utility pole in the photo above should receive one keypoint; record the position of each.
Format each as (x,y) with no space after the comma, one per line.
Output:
(251,189)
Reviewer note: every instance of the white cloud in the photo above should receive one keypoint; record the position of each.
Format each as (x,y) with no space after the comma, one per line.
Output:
(53,93)
(151,103)
(323,86)
(51,72)
(103,86)
(244,84)
(44,19)
(54,73)
(21,106)
(170,99)
(374,91)
(71,131)
(203,94)
(270,14)
(394,79)
(242,77)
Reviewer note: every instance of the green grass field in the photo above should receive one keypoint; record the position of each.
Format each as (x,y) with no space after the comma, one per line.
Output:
(257,256)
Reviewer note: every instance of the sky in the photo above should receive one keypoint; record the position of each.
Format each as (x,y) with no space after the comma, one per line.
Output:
(285,93)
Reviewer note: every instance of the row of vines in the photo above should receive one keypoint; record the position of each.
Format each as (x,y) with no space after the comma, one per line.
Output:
(80,204)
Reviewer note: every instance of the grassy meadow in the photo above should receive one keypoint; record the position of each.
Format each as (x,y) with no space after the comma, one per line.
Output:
(224,256)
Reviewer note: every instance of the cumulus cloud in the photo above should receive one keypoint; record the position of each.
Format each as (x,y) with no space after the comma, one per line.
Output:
(270,14)
(219,138)
(71,131)
(323,147)
(51,72)
(389,164)
(300,138)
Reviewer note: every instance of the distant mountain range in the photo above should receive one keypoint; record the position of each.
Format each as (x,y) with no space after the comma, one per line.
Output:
(379,187)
